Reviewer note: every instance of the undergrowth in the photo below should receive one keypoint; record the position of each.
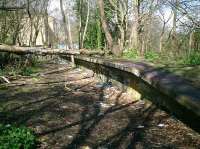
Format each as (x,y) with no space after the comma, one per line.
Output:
(151,56)
(12,137)
(12,65)
(134,54)
(155,57)
(192,59)
(130,54)
(23,70)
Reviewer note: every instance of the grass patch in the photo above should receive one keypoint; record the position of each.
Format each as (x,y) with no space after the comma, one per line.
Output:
(12,137)
(191,59)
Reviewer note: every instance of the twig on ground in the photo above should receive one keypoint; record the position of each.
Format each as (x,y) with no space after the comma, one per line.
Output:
(5,79)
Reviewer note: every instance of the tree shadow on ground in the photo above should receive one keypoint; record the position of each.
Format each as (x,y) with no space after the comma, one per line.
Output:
(90,117)
(80,108)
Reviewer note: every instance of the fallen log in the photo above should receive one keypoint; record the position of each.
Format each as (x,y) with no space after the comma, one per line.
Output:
(11,8)
(47,51)
(36,50)
(91,52)
(52,71)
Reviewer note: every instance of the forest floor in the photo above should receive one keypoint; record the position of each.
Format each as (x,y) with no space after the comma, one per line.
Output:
(70,108)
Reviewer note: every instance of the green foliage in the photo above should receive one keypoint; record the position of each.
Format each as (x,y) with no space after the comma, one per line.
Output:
(109,12)
(134,54)
(10,26)
(3,87)
(13,71)
(192,59)
(151,55)
(130,54)
(9,71)
(197,34)
(12,137)
(13,65)
(95,38)
(28,71)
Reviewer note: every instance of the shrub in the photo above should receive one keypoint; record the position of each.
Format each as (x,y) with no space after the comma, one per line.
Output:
(26,71)
(11,64)
(151,55)
(130,54)
(192,59)
(29,70)
(12,137)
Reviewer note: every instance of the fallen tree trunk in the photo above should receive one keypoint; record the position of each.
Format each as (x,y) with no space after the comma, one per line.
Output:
(91,52)
(47,51)
(11,8)
(36,50)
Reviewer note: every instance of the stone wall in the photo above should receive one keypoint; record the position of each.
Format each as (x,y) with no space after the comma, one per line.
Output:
(145,82)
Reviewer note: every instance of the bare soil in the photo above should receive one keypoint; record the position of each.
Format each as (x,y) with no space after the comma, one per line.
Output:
(70,108)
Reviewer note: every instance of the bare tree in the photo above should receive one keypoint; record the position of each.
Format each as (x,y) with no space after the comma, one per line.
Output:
(68,39)
(164,22)
(86,24)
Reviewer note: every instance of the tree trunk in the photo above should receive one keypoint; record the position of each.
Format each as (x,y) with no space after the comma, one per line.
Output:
(46,29)
(69,31)
(35,37)
(86,24)
(35,50)
(31,22)
(191,41)
(121,19)
(80,23)
(67,40)
(160,43)
(108,35)
(134,37)
(174,40)
(161,37)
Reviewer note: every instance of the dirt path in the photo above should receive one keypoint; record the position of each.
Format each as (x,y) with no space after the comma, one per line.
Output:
(69,108)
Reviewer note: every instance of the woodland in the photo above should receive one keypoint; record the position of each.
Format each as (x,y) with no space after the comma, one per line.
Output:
(163,33)
(152,29)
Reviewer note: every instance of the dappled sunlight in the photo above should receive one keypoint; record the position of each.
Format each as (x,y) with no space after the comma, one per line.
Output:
(76,109)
